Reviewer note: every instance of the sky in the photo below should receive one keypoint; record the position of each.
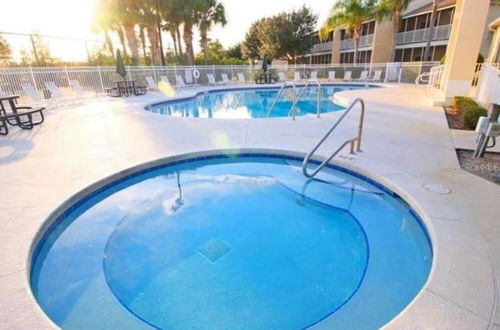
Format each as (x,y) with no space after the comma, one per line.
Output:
(72,18)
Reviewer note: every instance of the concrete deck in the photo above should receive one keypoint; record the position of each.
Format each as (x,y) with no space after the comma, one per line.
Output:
(406,144)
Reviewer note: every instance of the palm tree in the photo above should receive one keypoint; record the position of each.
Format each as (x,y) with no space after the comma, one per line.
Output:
(104,22)
(211,13)
(350,14)
(392,9)
(187,11)
(128,14)
(435,4)
(148,23)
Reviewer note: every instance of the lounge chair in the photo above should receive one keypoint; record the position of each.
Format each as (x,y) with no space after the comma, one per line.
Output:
(32,93)
(179,82)
(58,96)
(281,76)
(25,119)
(348,75)
(241,78)
(151,83)
(314,75)
(377,76)
(165,79)
(188,74)
(296,76)
(78,89)
(211,79)
(331,75)
(363,76)
(225,78)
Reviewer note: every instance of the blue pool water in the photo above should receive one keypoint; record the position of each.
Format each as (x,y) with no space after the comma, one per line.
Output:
(251,103)
(232,243)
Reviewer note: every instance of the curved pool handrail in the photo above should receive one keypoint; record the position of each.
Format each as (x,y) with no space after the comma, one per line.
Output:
(355,140)
(293,109)
(282,89)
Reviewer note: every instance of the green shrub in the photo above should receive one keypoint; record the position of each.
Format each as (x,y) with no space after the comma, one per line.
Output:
(459,103)
(471,115)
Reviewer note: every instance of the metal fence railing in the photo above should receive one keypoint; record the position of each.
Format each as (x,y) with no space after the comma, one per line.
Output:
(97,79)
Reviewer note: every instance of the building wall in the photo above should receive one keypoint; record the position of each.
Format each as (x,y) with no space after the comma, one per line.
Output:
(383,42)
(493,14)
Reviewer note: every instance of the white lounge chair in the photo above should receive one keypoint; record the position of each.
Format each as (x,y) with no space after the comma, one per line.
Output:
(377,76)
(58,96)
(188,73)
(165,79)
(79,91)
(296,76)
(151,83)
(241,78)
(211,79)
(225,78)
(331,75)
(363,76)
(32,93)
(314,75)
(348,75)
(281,76)
(179,82)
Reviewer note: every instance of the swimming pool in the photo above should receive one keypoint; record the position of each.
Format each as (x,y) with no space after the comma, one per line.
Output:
(251,103)
(231,243)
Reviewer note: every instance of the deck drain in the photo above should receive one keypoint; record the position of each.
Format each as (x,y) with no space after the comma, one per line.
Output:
(437,189)
(214,249)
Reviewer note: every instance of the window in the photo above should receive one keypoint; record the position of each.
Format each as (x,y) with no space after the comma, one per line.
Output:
(438,53)
(417,54)
(410,26)
(422,21)
(445,17)
(406,55)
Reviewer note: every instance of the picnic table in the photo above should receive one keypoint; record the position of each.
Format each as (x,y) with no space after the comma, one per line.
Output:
(265,78)
(24,119)
(126,88)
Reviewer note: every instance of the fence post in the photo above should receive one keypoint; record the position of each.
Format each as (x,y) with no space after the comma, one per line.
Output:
(154,72)
(232,72)
(100,79)
(67,76)
(400,74)
(32,74)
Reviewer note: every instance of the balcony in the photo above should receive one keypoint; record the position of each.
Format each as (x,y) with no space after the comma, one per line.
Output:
(364,41)
(322,47)
(440,33)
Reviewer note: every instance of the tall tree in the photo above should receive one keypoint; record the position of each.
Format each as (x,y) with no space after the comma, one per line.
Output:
(104,22)
(188,11)
(350,14)
(5,50)
(393,10)
(211,13)
(128,14)
(148,23)
(284,36)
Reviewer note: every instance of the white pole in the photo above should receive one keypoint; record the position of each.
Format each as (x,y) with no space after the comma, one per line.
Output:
(100,79)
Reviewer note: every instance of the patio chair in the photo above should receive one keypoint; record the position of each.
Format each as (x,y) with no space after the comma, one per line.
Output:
(151,83)
(348,75)
(25,120)
(211,79)
(179,82)
(32,93)
(225,79)
(281,76)
(377,76)
(363,76)
(78,89)
(296,76)
(241,78)
(188,74)
(57,96)
(165,79)
(331,75)
(314,75)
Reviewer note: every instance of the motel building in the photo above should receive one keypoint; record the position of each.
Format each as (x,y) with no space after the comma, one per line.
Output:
(378,39)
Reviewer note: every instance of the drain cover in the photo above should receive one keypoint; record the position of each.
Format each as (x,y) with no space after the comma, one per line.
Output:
(214,249)
(437,189)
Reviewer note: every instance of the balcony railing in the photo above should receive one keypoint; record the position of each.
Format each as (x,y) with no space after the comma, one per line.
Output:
(440,33)
(364,41)
(322,47)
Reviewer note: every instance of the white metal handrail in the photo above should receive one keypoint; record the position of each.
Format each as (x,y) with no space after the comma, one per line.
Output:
(355,140)
(293,109)
(282,89)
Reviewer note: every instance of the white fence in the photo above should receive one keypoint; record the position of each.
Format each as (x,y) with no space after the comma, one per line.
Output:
(97,79)
(488,86)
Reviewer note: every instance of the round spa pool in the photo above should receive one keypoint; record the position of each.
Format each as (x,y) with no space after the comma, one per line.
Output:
(240,242)
(252,102)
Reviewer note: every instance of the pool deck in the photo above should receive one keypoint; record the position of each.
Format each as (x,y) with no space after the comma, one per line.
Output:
(406,144)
